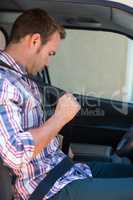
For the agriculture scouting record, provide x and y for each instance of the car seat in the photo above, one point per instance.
(5, 174)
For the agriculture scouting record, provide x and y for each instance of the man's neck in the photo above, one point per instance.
(17, 53)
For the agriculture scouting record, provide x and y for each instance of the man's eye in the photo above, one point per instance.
(52, 53)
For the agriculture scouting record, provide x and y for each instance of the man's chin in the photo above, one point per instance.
(45, 66)
(34, 73)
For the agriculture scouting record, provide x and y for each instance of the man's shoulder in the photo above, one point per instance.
(6, 74)
(9, 91)
(7, 80)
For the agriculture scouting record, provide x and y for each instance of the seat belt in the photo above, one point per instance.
(39, 81)
(46, 184)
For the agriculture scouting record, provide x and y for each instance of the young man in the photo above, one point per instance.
(29, 144)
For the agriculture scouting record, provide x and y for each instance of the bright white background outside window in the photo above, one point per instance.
(95, 63)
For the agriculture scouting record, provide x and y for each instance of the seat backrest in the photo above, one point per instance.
(2, 39)
(5, 178)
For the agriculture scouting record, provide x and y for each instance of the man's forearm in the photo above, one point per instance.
(44, 134)
(66, 108)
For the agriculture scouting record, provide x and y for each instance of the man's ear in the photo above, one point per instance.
(35, 41)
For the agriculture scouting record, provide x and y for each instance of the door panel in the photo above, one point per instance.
(99, 121)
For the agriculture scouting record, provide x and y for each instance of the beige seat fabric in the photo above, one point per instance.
(2, 41)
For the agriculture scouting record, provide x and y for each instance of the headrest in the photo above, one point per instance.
(2, 40)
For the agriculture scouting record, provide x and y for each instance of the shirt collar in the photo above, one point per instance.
(5, 57)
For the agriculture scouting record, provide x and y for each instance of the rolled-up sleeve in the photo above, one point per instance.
(16, 145)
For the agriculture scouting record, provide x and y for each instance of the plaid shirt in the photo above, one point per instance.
(20, 110)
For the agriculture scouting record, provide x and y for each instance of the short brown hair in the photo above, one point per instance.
(35, 21)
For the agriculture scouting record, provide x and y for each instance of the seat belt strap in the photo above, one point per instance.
(46, 184)
(39, 82)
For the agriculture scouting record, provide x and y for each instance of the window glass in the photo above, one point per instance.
(94, 63)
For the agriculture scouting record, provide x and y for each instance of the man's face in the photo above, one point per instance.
(44, 52)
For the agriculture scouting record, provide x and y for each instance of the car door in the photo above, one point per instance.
(106, 100)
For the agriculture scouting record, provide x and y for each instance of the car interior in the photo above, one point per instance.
(96, 69)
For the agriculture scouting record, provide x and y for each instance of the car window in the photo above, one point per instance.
(94, 63)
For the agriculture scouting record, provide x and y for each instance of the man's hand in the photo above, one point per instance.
(67, 107)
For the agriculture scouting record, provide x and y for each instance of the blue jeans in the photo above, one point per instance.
(109, 182)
